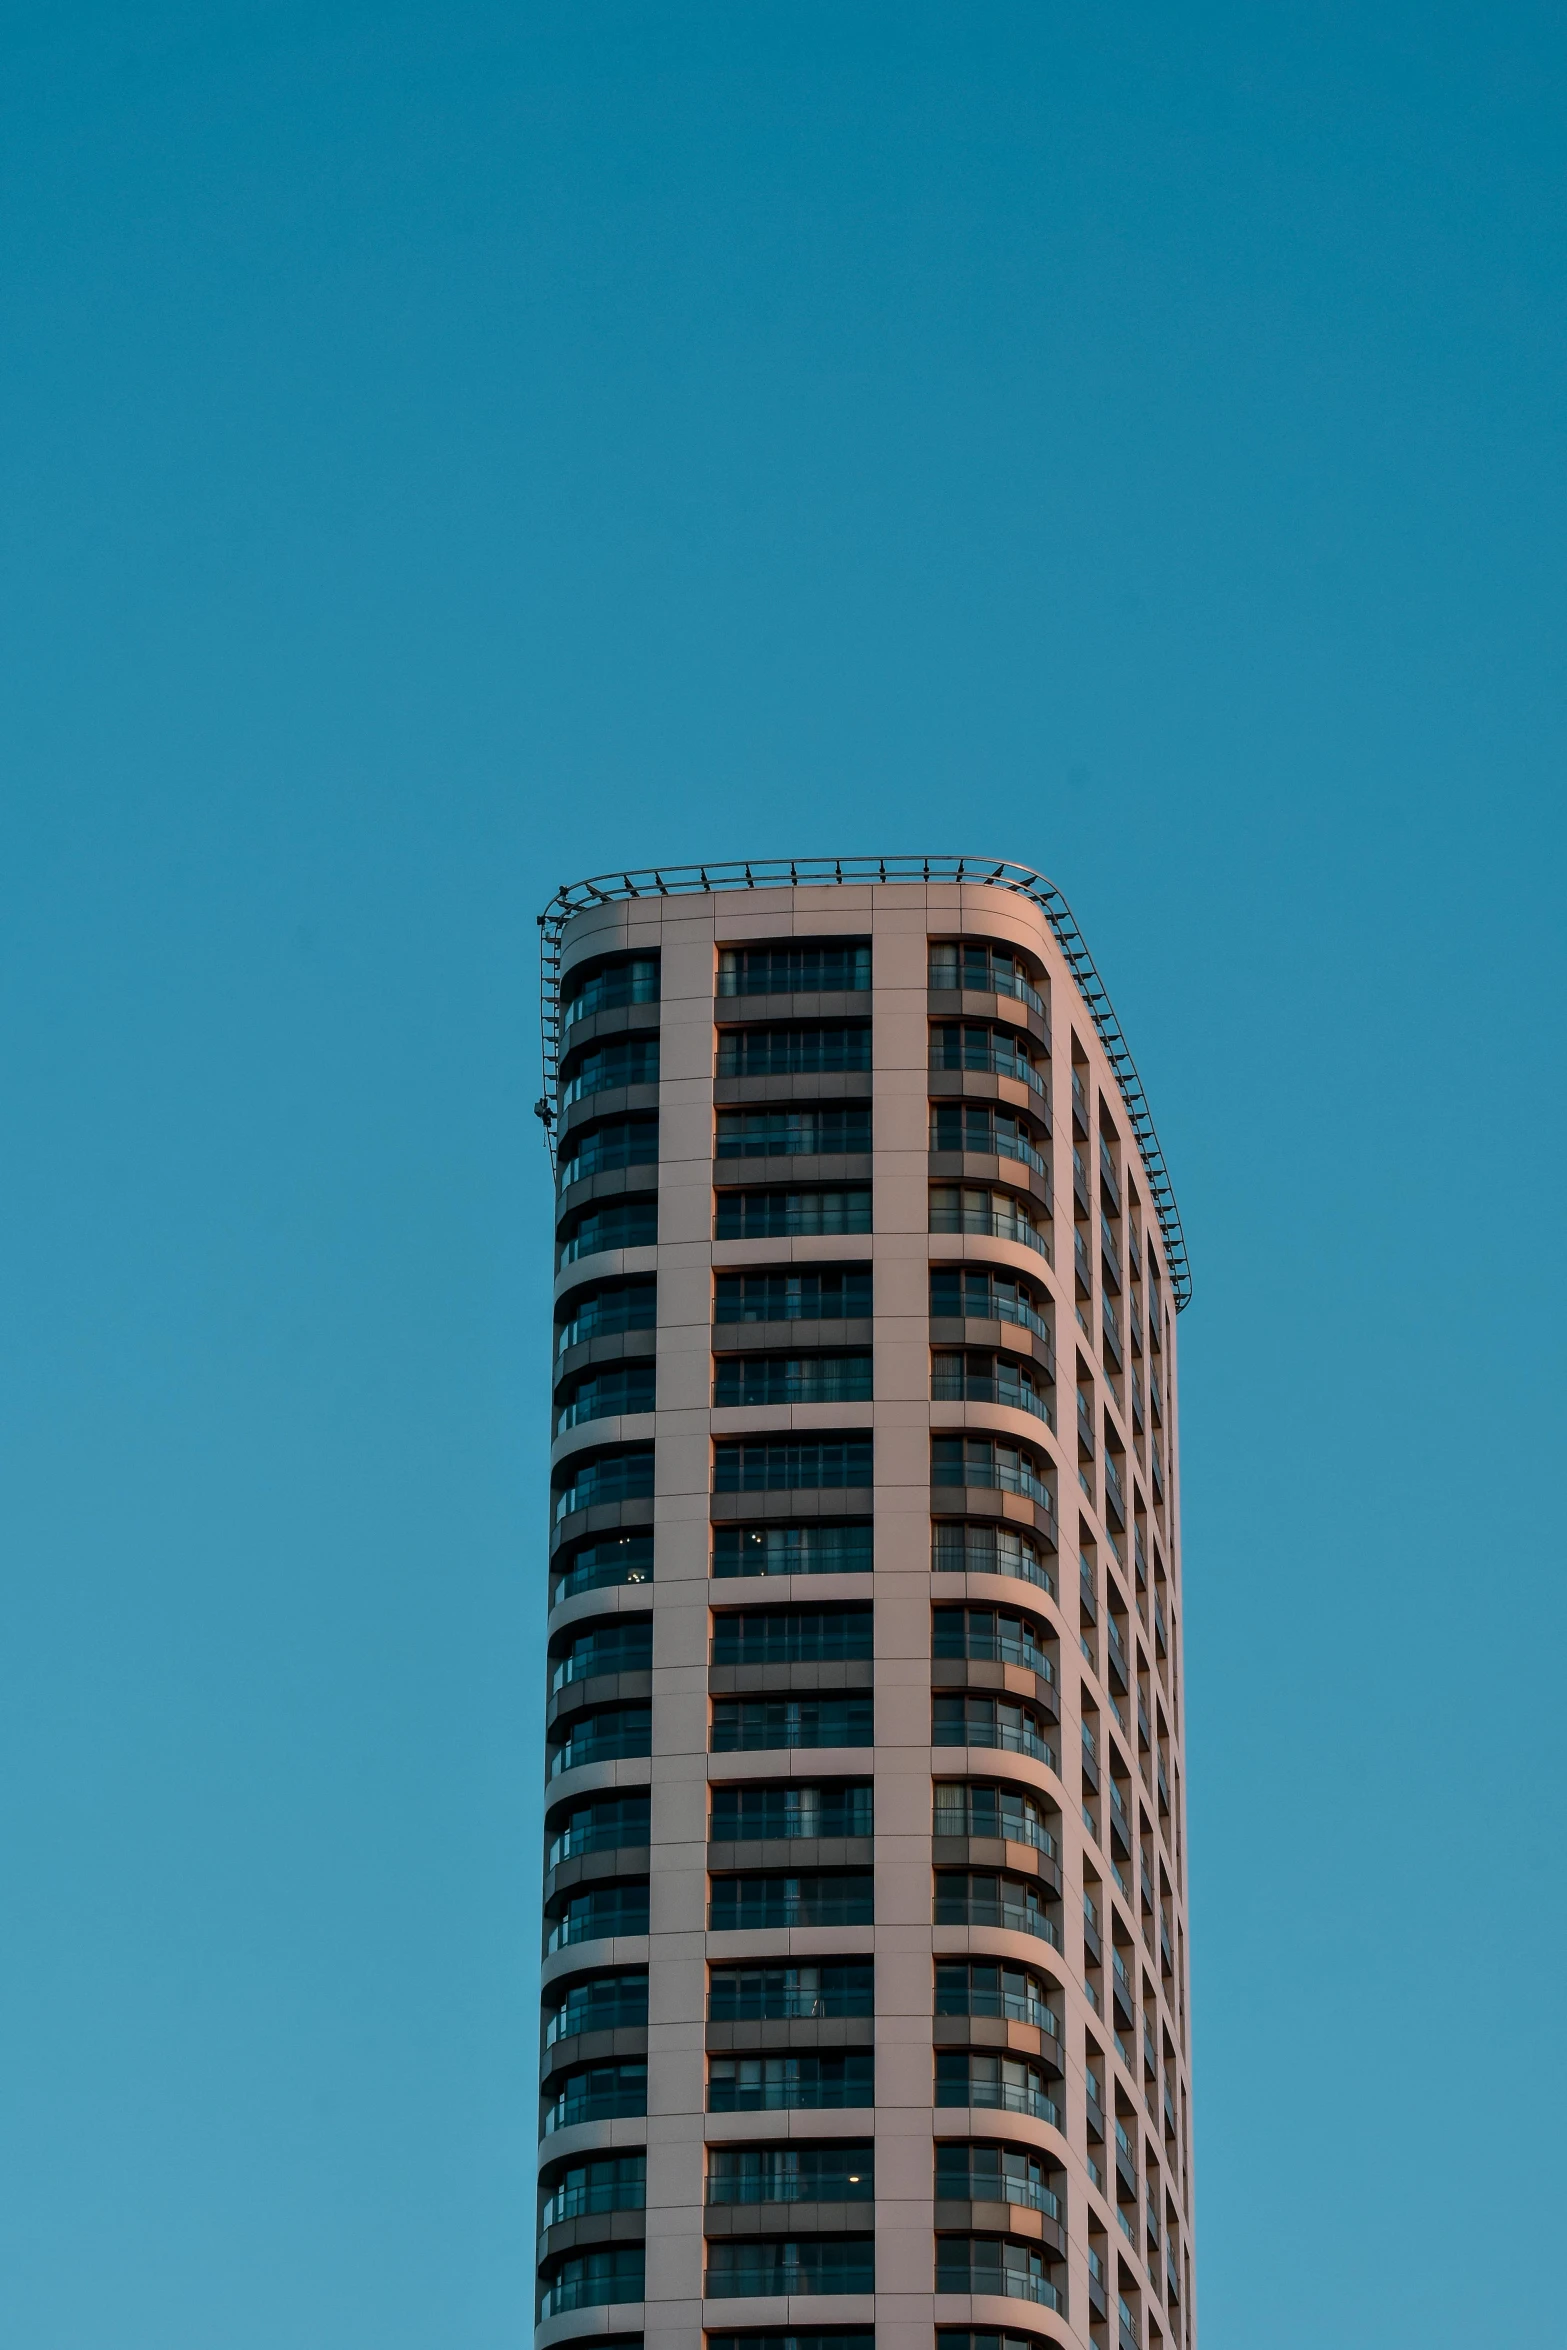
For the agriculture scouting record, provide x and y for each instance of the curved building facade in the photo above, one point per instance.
(865, 2012)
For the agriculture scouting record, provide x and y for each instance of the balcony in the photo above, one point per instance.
(999, 2096)
(609, 991)
(628, 1306)
(1080, 1196)
(1005, 1387)
(594, 2280)
(1008, 1825)
(1107, 1177)
(964, 1550)
(989, 1471)
(988, 1052)
(1111, 1255)
(1085, 1428)
(612, 1835)
(981, 970)
(954, 1637)
(1082, 1261)
(617, 1734)
(623, 2099)
(1125, 2159)
(1006, 1917)
(965, 2265)
(987, 1222)
(1079, 1104)
(573, 2201)
(1010, 2006)
(1005, 1308)
(1017, 1146)
(974, 2185)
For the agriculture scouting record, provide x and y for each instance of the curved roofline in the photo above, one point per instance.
(575, 897)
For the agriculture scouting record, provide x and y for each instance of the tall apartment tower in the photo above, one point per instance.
(865, 2005)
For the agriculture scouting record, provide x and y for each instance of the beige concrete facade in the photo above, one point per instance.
(1096, 2243)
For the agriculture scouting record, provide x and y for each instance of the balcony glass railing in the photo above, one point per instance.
(988, 1223)
(999, 1476)
(970, 1387)
(594, 1659)
(626, 1478)
(1008, 1917)
(980, 973)
(988, 2186)
(1016, 2010)
(1008, 1738)
(631, 983)
(1015, 1827)
(598, 1574)
(1018, 1310)
(991, 1648)
(599, 1836)
(624, 1738)
(578, 2201)
(995, 2277)
(603, 2106)
(634, 1310)
(999, 2097)
(992, 1056)
(992, 1140)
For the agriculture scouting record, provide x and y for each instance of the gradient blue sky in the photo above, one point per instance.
(447, 450)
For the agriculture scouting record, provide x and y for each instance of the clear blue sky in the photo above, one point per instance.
(450, 449)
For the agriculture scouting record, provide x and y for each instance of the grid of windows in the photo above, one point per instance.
(1057, 1987)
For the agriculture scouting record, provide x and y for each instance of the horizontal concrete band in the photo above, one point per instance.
(640, 1019)
(781, 1506)
(826, 1085)
(792, 1171)
(795, 1338)
(605, 1517)
(615, 1101)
